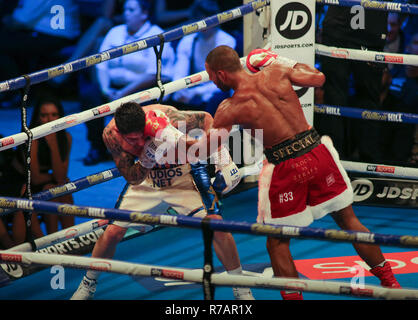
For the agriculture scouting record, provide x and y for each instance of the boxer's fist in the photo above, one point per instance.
(155, 121)
(227, 178)
(227, 173)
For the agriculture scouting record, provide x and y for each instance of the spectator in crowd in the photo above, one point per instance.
(38, 28)
(136, 71)
(168, 14)
(395, 138)
(129, 73)
(395, 41)
(191, 53)
(398, 138)
(97, 17)
(49, 159)
(410, 97)
(339, 31)
(12, 184)
(410, 24)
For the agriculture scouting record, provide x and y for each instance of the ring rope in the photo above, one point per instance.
(147, 95)
(27, 154)
(160, 97)
(103, 176)
(102, 110)
(365, 114)
(135, 46)
(374, 5)
(381, 170)
(217, 225)
(140, 97)
(175, 34)
(366, 55)
(197, 275)
(63, 235)
(158, 53)
(71, 187)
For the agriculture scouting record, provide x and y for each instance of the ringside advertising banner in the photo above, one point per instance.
(293, 36)
(388, 192)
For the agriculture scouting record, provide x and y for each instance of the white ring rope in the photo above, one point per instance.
(18, 254)
(187, 82)
(381, 170)
(196, 275)
(63, 235)
(366, 55)
(104, 109)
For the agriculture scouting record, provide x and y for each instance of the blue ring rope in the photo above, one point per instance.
(374, 5)
(135, 46)
(217, 225)
(365, 114)
(71, 187)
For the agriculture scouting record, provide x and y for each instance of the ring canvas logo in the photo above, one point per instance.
(293, 20)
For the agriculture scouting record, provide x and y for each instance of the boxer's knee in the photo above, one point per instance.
(113, 234)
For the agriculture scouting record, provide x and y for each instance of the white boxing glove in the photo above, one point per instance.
(258, 59)
(227, 175)
(170, 135)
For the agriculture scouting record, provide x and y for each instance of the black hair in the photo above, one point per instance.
(130, 117)
(35, 121)
(145, 5)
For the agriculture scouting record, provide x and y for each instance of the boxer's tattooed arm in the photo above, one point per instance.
(193, 119)
(133, 172)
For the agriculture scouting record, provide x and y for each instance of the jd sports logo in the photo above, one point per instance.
(293, 20)
(362, 189)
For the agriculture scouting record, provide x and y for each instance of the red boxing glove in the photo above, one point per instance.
(261, 58)
(155, 121)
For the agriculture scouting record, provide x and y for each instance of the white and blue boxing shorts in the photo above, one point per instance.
(163, 189)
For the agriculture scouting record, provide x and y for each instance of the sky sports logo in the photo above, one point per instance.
(382, 169)
(388, 58)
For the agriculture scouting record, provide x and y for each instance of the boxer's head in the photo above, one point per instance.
(130, 122)
(220, 63)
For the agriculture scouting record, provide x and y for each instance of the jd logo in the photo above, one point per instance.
(293, 20)
(362, 189)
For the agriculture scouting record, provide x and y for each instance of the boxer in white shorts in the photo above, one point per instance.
(163, 189)
(132, 138)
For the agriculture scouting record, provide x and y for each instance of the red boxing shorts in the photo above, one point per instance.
(299, 190)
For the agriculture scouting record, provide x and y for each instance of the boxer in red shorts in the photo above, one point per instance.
(303, 178)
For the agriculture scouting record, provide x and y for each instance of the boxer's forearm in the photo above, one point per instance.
(190, 119)
(132, 171)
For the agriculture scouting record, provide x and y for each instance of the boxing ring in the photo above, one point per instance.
(27, 275)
